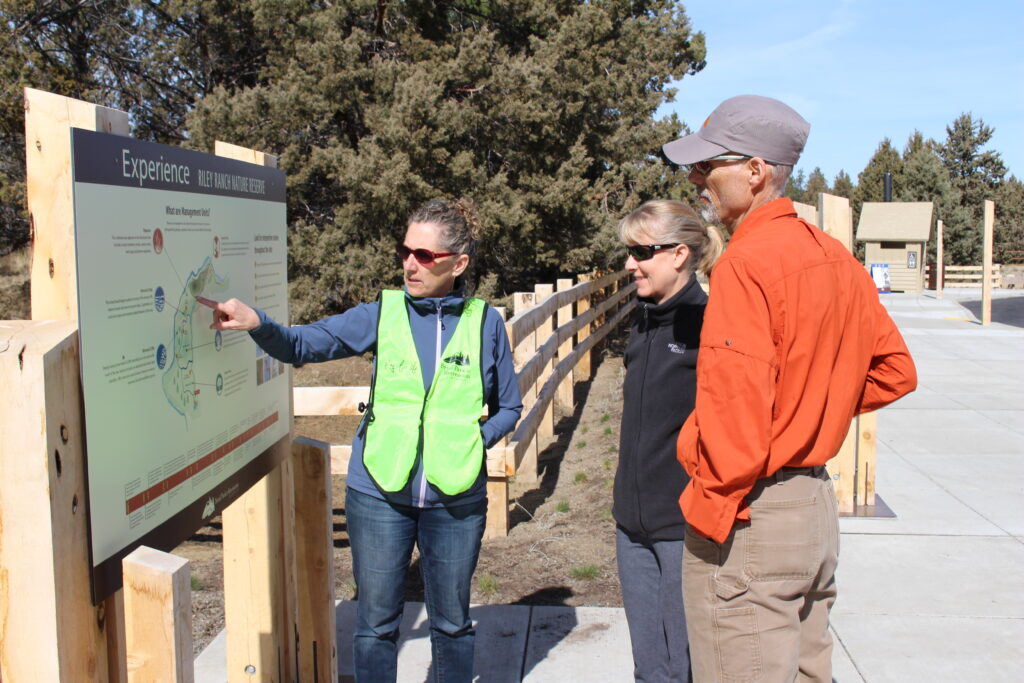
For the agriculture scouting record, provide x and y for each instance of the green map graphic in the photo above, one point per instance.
(179, 382)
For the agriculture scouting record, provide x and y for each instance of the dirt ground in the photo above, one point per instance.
(561, 547)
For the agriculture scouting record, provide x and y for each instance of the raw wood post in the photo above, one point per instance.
(112, 619)
(582, 369)
(564, 395)
(843, 470)
(48, 122)
(316, 648)
(524, 351)
(986, 270)
(54, 295)
(497, 508)
(50, 629)
(836, 218)
(546, 428)
(259, 552)
(597, 297)
(938, 259)
(867, 456)
(848, 472)
(158, 617)
(496, 525)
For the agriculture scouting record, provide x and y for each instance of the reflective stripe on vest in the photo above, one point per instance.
(445, 420)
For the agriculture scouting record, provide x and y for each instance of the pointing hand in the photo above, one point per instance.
(231, 314)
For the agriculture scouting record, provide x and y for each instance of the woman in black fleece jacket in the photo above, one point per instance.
(667, 243)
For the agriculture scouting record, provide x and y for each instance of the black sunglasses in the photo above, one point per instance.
(423, 256)
(642, 252)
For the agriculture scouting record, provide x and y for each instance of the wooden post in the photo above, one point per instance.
(48, 122)
(316, 648)
(938, 259)
(524, 351)
(986, 266)
(257, 611)
(546, 428)
(867, 457)
(836, 218)
(259, 552)
(843, 470)
(112, 620)
(49, 628)
(54, 295)
(497, 508)
(158, 617)
(497, 490)
(582, 369)
(564, 395)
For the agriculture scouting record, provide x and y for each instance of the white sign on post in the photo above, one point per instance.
(179, 418)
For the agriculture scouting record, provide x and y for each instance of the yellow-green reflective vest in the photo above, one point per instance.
(445, 421)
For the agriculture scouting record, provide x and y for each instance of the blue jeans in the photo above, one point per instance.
(651, 574)
(382, 537)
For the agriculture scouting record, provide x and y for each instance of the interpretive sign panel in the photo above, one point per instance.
(179, 418)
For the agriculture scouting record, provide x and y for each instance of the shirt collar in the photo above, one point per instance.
(777, 208)
(451, 302)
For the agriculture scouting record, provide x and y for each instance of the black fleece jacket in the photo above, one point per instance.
(658, 395)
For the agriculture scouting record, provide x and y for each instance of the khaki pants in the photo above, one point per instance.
(757, 605)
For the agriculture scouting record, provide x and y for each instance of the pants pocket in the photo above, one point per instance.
(784, 540)
(737, 644)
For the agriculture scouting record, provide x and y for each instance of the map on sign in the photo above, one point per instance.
(176, 414)
(180, 383)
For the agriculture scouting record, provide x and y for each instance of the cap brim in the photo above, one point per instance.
(691, 149)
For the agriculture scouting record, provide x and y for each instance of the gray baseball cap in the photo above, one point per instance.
(751, 125)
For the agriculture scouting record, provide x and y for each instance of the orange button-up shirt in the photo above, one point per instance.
(795, 343)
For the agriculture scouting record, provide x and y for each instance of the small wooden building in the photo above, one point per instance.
(895, 234)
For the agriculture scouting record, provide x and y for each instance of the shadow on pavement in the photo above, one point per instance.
(1005, 310)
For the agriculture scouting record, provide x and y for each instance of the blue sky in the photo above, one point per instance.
(863, 70)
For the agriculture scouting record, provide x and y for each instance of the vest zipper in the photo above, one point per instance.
(437, 368)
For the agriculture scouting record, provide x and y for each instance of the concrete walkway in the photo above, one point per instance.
(936, 594)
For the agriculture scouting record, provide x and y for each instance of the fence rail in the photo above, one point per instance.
(965, 276)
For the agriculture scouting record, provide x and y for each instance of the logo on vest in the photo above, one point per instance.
(676, 348)
(456, 365)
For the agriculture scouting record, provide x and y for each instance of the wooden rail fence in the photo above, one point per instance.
(964, 276)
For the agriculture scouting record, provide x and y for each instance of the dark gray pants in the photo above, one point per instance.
(651, 574)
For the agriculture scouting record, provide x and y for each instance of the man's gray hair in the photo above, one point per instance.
(780, 174)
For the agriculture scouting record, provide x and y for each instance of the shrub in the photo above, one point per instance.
(585, 571)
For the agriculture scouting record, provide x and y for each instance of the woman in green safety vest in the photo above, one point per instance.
(417, 474)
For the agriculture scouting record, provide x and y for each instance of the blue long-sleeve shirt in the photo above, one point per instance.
(433, 322)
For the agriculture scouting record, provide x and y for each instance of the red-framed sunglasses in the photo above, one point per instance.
(422, 256)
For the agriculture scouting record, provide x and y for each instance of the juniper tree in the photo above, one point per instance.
(150, 58)
(842, 185)
(975, 174)
(543, 112)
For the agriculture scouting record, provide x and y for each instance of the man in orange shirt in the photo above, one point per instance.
(795, 343)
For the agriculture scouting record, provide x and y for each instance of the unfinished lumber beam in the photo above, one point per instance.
(158, 617)
(51, 630)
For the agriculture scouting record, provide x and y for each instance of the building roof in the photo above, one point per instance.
(895, 222)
